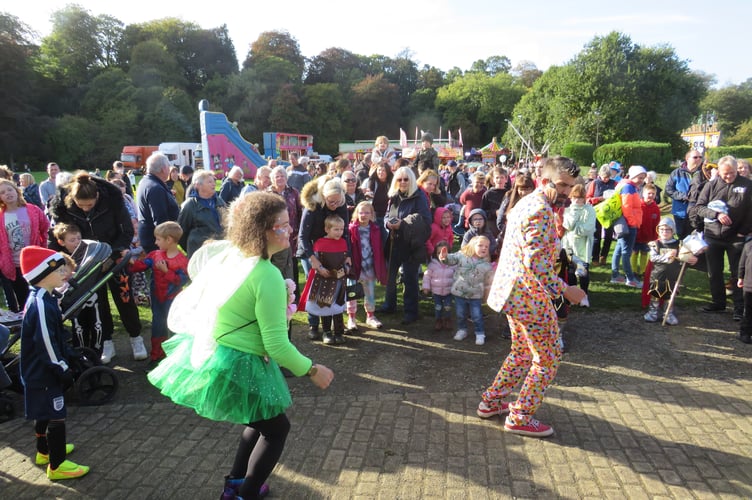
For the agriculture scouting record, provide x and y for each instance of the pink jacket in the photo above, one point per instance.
(438, 278)
(39, 227)
(439, 233)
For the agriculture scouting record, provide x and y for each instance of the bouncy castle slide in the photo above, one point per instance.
(223, 146)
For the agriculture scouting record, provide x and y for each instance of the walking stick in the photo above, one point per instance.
(674, 292)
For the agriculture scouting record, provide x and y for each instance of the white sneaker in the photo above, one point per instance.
(480, 339)
(351, 325)
(460, 335)
(139, 350)
(585, 302)
(108, 351)
(373, 322)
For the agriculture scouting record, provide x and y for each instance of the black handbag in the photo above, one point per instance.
(354, 290)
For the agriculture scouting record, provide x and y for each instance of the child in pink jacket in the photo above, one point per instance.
(438, 280)
(441, 229)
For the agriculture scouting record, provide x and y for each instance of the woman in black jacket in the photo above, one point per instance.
(407, 219)
(98, 209)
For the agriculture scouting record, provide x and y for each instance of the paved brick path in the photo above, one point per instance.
(658, 440)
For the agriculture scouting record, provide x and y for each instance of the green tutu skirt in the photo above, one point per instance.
(231, 386)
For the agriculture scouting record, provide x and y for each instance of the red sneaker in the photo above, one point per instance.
(534, 428)
(486, 410)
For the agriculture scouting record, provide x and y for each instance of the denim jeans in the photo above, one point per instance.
(476, 315)
(623, 252)
(442, 305)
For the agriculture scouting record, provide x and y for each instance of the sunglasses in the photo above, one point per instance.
(403, 180)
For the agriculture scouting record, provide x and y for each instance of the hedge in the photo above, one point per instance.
(715, 154)
(580, 152)
(651, 155)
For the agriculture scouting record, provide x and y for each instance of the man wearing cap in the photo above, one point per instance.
(631, 209)
(156, 204)
(677, 188)
(457, 182)
(725, 204)
(297, 175)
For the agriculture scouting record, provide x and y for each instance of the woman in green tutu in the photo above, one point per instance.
(231, 338)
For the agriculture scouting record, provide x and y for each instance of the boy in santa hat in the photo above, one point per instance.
(45, 372)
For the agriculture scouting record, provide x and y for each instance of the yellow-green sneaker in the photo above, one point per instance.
(67, 470)
(42, 459)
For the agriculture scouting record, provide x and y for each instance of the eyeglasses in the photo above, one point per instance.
(403, 180)
(349, 181)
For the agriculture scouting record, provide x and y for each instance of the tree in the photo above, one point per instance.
(615, 89)
(732, 106)
(279, 44)
(526, 73)
(373, 106)
(334, 65)
(478, 103)
(327, 115)
(73, 52)
(19, 114)
(492, 66)
(200, 54)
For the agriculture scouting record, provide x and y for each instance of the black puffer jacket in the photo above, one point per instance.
(107, 222)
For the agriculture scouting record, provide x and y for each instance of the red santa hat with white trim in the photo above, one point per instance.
(38, 262)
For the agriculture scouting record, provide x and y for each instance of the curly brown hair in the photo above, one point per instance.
(250, 217)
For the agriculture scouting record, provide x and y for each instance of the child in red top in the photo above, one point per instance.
(169, 273)
(472, 198)
(651, 215)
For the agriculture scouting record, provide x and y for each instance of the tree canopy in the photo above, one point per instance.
(95, 84)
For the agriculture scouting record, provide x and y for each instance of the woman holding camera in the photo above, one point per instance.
(408, 220)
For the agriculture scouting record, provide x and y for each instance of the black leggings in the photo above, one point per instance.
(260, 447)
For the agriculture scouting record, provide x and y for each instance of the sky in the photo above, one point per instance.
(712, 36)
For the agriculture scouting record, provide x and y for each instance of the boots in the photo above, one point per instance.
(438, 325)
(653, 309)
(157, 353)
(671, 319)
(448, 323)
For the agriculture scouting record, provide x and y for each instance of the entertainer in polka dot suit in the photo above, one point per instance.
(523, 287)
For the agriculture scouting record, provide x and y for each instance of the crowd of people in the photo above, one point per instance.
(521, 238)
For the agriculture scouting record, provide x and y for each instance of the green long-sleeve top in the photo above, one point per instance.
(254, 319)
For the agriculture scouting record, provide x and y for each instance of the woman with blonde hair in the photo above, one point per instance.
(24, 224)
(408, 220)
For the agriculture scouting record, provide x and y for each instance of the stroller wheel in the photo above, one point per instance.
(91, 356)
(96, 386)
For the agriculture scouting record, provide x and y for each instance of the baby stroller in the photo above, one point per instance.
(94, 384)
